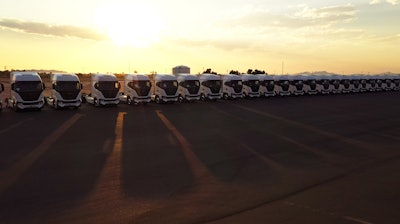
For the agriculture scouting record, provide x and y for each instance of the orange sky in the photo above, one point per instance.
(154, 35)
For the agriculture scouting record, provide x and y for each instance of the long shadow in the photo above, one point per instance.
(153, 165)
(66, 173)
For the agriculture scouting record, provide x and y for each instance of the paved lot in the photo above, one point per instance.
(322, 159)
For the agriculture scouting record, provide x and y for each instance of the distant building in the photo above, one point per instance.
(180, 69)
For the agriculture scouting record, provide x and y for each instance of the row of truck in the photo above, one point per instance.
(27, 88)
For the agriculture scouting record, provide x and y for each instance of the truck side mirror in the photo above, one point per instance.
(96, 85)
(13, 86)
(81, 86)
(1, 87)
(119, 85)
(54, 85)
(44, 86)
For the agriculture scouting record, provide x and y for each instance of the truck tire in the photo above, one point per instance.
(157, 99)
(180, 98)
(96, 102)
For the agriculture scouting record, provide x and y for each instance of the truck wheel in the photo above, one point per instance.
(96, 102)
(180, 99)
(129, 100)
(203, 97)
(158, 99)
(55, 104)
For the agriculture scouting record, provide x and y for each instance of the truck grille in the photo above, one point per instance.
(70, 95)
(30, 96)
(193, 89)
(110, 93)
(171, 90)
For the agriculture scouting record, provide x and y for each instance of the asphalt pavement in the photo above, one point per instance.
(317, 159)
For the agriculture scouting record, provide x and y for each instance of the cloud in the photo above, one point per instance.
(51, 30)
(392, 2)
(305, 17)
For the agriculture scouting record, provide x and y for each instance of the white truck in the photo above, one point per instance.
(188, 87)
(296, 85)
(1, 90)
(137, 89)
(26, 91)
(210, 87)
(282, 85)
(310, 84)
(323, 84)
(251, 86)
(232, 87)
(267, 85)
(335, 84)
(104, 90)
(65, 91)
(396, 82)
(164, 88)
(345, 84)
(355, 83)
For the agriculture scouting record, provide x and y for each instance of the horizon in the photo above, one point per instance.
(121, 36)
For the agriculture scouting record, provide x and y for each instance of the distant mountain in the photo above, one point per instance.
(316, 73)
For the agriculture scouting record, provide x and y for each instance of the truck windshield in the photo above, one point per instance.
(167, 84)
(214, 85)
(108, 85)
(234, 83)
(139, 84)
(190, 83)
(27, 86)
(67, 86)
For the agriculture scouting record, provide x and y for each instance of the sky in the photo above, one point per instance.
(126, 36)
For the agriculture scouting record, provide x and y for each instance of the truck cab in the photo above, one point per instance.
(355, 83)
(335, 84)
(164, 88)
(232, 87)
(104, 90)
(396, 83)
(251, 86)
(137, 89)
(296, 85)
(323, 84)
(26, 91)
(310, 84)
(345, 84)
(1, 90)
(65, 91)
(210, 87)
(267, 85)
(282, 85)
(188, 87)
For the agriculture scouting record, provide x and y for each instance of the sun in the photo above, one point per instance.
(129, 24)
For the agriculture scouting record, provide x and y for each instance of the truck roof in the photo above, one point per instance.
(136, 77)
(64, 77)
(183, 76)
(24, 76)
(208, 76)
(104, 77)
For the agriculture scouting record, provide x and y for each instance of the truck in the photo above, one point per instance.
(323, 84)
(282, 85)
(210, 87)
(267, 85)
(104, 90)
(1, 90)
(188, 87)
(296, 85)
(164, 88)
(355, 83)
(310, 84)
(137, 89)
(65, 91)
(335, 84)
(232, 87)
(26, 91)
(251, 86)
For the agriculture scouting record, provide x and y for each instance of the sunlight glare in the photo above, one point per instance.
(129, 23)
